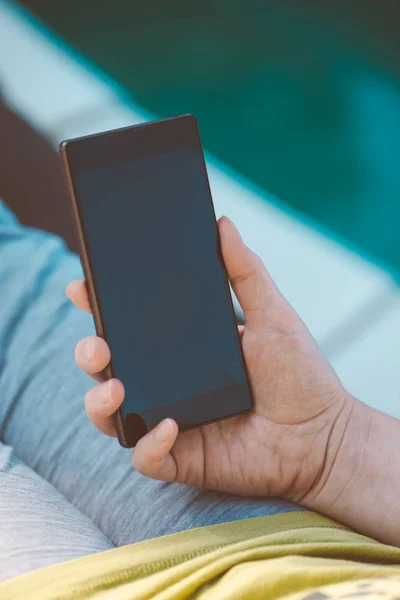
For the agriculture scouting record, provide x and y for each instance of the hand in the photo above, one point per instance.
(285, 445)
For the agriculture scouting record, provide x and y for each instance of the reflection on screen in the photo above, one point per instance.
(162, 289)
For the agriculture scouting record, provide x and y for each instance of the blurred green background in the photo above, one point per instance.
(303, 98)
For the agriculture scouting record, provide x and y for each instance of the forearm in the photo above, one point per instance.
(360, 485)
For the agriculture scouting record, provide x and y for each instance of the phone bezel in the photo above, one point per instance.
(123, 145)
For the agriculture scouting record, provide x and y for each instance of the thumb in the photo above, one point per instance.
(152, 457)
(251, 282)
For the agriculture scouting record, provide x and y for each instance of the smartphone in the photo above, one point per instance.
(156, 280)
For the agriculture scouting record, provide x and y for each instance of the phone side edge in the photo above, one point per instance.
(84, 255)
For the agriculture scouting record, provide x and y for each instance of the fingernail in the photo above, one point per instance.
(227, 219)
(103, 396)
(232, 224)
(71, 284)
(110, 388)
(163, 431)
(88, 350)
(68, 289)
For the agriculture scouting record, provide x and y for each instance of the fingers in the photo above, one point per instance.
(251, 282)
(101, 402)
(77, 292)
(92, 355)
(152, 457)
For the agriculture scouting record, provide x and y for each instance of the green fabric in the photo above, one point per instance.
(266, 557)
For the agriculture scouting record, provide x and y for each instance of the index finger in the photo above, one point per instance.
(77, 292)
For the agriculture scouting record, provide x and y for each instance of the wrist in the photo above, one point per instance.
(344, 452)
(360, 481)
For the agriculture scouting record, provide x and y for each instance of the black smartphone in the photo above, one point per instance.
(156, 279)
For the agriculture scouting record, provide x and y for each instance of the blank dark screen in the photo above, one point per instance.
(162, 289)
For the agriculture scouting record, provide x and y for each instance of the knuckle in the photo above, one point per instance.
(258, 263)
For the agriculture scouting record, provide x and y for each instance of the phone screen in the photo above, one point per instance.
(161, 286)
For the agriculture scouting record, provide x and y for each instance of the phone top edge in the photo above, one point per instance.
(63, 145)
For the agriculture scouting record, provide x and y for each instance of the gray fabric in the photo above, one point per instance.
(42, 418)
(38, 526)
